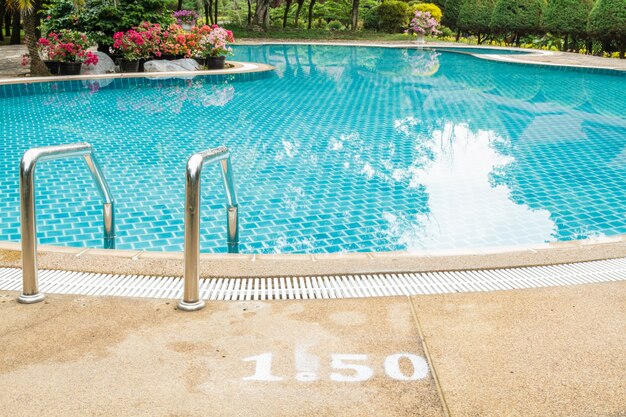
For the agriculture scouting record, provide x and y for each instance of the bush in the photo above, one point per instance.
(568, 16)
(370, 19)
(101, 18)
(450, 10)
(392, 16)
(62, 14)
(608, 20)
(475, 15)
(518, 16)
(335, 25)
(433, 9)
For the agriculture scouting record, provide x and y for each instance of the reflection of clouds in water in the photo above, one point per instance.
(465, 209)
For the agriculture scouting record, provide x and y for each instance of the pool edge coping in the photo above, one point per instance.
(139, 262)
(239, 68)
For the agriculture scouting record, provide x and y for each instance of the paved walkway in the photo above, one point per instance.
(11, 61)
(550, 352)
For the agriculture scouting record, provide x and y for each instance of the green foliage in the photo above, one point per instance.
(518, 16)
(370, 18)
(475, 15)
(61, 14)
(100, 19)
(335, 25)
(608, 19)
(392, 16)
(568, 16)
(431, 8)
(450, 10)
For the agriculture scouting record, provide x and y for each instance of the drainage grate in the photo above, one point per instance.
(317, 287)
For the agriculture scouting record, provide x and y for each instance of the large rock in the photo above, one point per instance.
(105, 65)
(186, 64)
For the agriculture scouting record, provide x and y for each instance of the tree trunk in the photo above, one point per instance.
(2, 12)
(7, 22)
(261, 14)
(179, 6)
(355, 14)
(249, 12)
(565, 43)
(518, 40)
(310, 22)
(15, 30)
(622, 47)
(216, 1)
(37, 67)
(458, 34)
(298, 9)
(205, 4)
(287, 6)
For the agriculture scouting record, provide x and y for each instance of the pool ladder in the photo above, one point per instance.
(191, 300)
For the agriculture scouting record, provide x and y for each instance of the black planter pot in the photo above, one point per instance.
(69, 68)
(53, 67)
(200, 60)
(129, 66)
(215, 62)
(142, 61)
(168, 57)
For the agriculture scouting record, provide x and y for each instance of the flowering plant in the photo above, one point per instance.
(215, 43)
(67, 46)
(131, 44)
(423, 24)
(186, 17)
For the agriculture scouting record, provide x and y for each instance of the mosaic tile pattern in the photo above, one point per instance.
(343, 149)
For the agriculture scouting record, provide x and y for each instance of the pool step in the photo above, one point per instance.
(322, 287)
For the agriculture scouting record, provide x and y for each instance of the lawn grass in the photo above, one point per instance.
(243, 33)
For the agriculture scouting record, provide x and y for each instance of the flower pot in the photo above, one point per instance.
(69, 68)
(200, 60)
(420, 40)
(129, 66)
(53, 67)
(142, 61)
(215, 62)
(186, 27)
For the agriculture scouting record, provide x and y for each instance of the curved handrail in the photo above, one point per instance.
(191, 299)
(30, 286)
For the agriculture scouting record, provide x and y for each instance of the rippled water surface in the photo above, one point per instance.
(343, 149)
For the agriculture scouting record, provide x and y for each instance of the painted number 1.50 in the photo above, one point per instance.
(346, 368)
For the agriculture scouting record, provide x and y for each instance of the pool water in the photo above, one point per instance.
(344, 149)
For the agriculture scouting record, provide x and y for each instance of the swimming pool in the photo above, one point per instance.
(344, 149)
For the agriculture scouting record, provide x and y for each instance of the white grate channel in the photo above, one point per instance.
(320, 287)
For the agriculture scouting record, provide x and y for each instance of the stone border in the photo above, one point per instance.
(133, 262)
(238, 68)
(261, 265)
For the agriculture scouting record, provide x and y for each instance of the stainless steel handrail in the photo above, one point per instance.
(30, 285)
(191, 298)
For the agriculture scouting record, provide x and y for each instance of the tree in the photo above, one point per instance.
(298, 9)
(28, 11)
(475, 17)
(450, 10)
(567, 17)
(520, 17)
(392, 16)
(607, 20)
(287, 6)
(355, 14)
(311, 5)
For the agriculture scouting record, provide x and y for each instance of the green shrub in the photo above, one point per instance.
(370, 19)
(431, 8)
(63, 15)
(568, 16)
(607, 20)
(450, 9)
(518, 16)
(475, 15)
(102, 18)
(392, 16)
(335, 25)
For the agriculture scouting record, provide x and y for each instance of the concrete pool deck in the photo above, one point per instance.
(541, 352)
